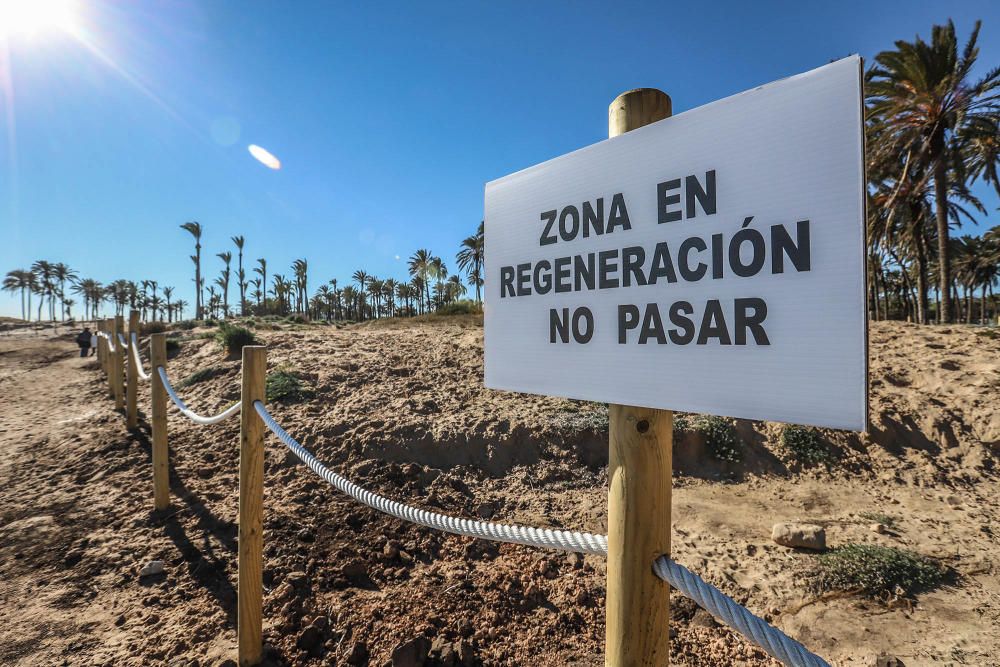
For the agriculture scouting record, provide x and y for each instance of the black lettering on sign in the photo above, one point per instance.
(753, 323)
(678, 312)
(652, 326)
(713, 324)
(568, 233)
(583, 325)
(560, 322)
(628, 318)
(593, 220)
(704, 196)
(548, 238)
(782, 244)
(506, 281)
(559, 325)
(664, 201)
(619, 214)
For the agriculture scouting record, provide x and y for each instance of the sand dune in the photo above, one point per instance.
(401, 407)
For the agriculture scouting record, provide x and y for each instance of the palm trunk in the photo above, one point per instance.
(922, 305)
(941, 213)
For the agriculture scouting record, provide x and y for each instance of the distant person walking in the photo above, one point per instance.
(93, 344)
(84, 340)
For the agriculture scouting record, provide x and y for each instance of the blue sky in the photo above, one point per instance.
(388, 117)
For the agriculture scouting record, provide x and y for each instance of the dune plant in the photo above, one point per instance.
(233, 339)
(805, 445)
(720, 436)
(877, 571)
(286, 386)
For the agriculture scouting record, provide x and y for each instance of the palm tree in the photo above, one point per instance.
(179, 307)
(167, 293)
(454, 289)
(280, 288)
(223, 280)
(361, 278)
(438, 271)
(44, 286)
(241, 277)
(68, 306)
(420, 267)
(62, 273)
(470, 258)
(300, 269)
(922, 95)
(261, 270)
(20, 280)
(350, 295)
(195, 229)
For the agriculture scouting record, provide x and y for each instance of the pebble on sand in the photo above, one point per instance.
(152, 568)
(800, 535)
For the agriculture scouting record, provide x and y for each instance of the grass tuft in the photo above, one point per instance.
(720, 436)
(878, 517)
(286, 386)
(201, 376)
(233, 339)
(805, 445)
(877, 571)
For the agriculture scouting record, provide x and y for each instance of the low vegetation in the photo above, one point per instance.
(805, 445)
(286, 386)
(720, 436)
(881, 572)
(233, 339)
(201, 376)
(878, 517)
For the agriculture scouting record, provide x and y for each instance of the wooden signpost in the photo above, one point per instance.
(676, 266)
(118, 362)
(158, 396)
(640, 465)
(131, 389)
(249, 617)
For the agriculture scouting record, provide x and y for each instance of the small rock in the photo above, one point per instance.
(358, 655)
(305, 535)
(886, 660)
(354, 570)
(877, 528)
(120, 621)
(703, 619)
(152, 568)
(486, 510)
(391, 549)
(296, 578)
(309, 638)
(411, 653)
(800, 535)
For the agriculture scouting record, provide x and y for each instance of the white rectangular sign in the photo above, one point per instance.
(712, 262)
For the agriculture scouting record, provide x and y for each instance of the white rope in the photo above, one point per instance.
(138, 361)
(190, 414)
(122, 341)
(111, 342)
(773, 641)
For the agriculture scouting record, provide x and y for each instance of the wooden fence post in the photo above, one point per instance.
(99, 328)
(161, 460)
(251, 543)
(108, 327)
(118, 363)
(132, 388)
(640, 464)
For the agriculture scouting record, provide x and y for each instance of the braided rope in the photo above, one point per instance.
(138, 361)
(770, 639)
(190, 414)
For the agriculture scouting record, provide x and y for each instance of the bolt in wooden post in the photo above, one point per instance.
(251, 543)
(132, 388)
(118, 363)
(640, 464)
(161, 455)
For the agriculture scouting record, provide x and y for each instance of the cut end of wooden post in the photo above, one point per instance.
(635, 108)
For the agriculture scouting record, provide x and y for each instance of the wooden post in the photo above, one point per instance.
(640, 464)
(132, 388)
(161, 460)
(251, 543)
(99, 327)
(108, 328)
(118, 363)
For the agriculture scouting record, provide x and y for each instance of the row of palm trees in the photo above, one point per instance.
(932, 132)
(428, 288)
(53, 282)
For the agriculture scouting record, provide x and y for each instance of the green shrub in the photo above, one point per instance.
(464, 307)
(185, 325)
(233, 339)
(720, 436)
(805, 445)
(286, 386)
(147, 328)
(208, 323)
(882, 572)
(201, 376)
(173, 346)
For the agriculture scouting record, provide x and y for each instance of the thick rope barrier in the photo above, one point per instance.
(190, 414)
(143, 375)
(770, 639)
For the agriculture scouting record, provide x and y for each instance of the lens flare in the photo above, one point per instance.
(264, 157)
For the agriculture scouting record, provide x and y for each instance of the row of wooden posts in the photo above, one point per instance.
(122, 372)
(640, 465)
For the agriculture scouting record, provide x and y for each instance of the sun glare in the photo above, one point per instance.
(30, 17)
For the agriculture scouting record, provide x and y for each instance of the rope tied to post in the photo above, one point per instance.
(138, 361)
(767, 637)
(191, 414)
